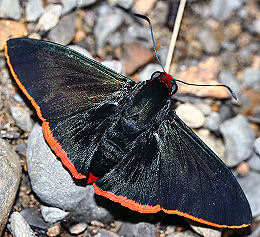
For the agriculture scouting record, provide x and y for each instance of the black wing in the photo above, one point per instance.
(176, 172)
(59, 80)
(63, 85)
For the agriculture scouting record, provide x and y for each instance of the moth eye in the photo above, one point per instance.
(174, 88)
(156, 74)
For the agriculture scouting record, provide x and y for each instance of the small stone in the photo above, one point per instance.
(127, 4)
(257, 145)
(33, 10)
(81, 50)
(85, 3)
(34, 218)
(108, 22)
(208, 40)
(68, 6)
(251, 78)
(239, 138)
(254, 162)
(243, 168)
(115, 65)
(191, 115)
(17, 97)
(186, 233)
(136, 56)
(251, 186)
(53, 214)
(227, 78)
(54, 230)
(22, 117)
(143, 6)
(64, 31)
(78, 228)
(106, 233)
(213, 122)
(222, 9)
(49, 18)
(19, 226)
(10, 9)
(147, 72)
(225, 111)
(9, 179)
(255, 233)
(255, 27)
(205, 231)
(138, 230)
(11, 29)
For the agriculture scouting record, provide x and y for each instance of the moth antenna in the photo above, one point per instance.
(151, 29)
(191, 84)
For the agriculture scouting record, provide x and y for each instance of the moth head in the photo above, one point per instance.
(166, 80)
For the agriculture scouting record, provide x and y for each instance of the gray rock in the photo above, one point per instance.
(81, 50)
(255, 233)
(10, 9)
(147, 72)
(254, 162)
(209, 41)
(251, 78)
(9, 180)
(227, 78)
(205, 231)
(85, 3)
(239, 138)
(127, 4)
(53, 214)
(19, 226)
(68, 6)
(213, 122)
(64, 31)
(186, 233)
(34, 218)
(256, 26)
(251, 187)
(33, 10)
(225, 111)
(222, 9)
(106, 233)
(138, 230)
(49, 18)
(54, 185)
(257, 145)
(78, 228)
(108, 22)
(18, 98)
(116, 65)
(116, 40)
(21, 115)
(185, 110)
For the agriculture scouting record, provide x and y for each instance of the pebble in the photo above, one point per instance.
(68, 6)
(33, 10)
(222, 9)
(11, 29)
(60, 190)
(81, 50)
(239, 138)
(115, 65)
(213, 121)
(106, 233)
(127, 4)
(227, 78)
(54, 230)
(255, 26)
(138, 230)
(22, 118)
(10, 9)
(208, 40)
(135, 56)
(85, 3)
(107, 23)
(78, 228)
(255, 233)
(143, 6)
(251, 187)
(191, 115)
(18, 98)
(9, 179)
(63, 32)
(147, 72)
(205, 231)
(186, 233)
(257, 145)
(225, 111)
(49, 18)
(34, 218)
(251, 78)
(53, 214)
(19, 226)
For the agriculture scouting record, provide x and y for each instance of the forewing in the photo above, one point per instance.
(174, 171)
(59, 81)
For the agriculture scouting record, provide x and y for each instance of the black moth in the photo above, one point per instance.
(122, 136)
